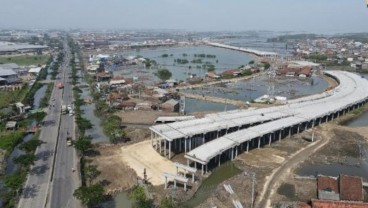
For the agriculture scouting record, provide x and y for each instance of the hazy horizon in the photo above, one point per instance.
(328, 16)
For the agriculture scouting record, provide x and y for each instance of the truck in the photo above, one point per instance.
(69, 141)
(60, 85)
(63, 109)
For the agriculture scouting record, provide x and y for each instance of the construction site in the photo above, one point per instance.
(244, 146)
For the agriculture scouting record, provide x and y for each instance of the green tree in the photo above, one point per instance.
(90, 195)
(31, 145)
(25, 160)
(83, 144)
(164, 74)
(91, 172)
(166, 203)
(140, 198)
(266, 65)
(14, 181)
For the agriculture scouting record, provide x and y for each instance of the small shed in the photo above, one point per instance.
(20, 107)
(170, 106)
(11, 125)
(127, 105)
(328, 188)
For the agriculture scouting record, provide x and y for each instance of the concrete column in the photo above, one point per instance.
(152, 138)
(232, 153)
(157, 141)
(165, 182)
(306, 126)
(195, 164)
(169, 150)
(298, 128)
(259, 142)
(280, 134)
(219, 161)
(193, 177)
(236, 152)
(190, 144)
(203, 139)
(269, 140)
(247, 146)
(313, 123)
(165, 147)
(218, 134)
(185, 186)
(185, 145)
(160, 144)
(174, 183)
(180, 143)
(290, 131)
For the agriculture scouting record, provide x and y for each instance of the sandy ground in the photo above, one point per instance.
(114, 173)
(120, 165)
(142, 155)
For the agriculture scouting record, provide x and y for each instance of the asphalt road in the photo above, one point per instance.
(64, 180)
(52, 184)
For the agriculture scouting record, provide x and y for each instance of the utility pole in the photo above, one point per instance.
(253, 175)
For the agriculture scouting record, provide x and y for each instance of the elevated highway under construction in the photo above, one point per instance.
(216, 137)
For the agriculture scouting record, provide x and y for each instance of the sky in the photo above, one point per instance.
(318, 16)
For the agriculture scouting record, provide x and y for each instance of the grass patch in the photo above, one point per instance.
(25, 60)
(287, 190)
(10, 97)
(38, 117)
(28, 99)
(9, 140)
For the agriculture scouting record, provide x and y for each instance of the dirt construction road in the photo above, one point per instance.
(278, 174)
(142, 155)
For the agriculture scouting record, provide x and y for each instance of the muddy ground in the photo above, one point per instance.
(343, 148)
(345, 145)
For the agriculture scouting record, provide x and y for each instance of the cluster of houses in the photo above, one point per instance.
(300, 69)
(337, 192)
(118, 40)
(12, 75)
(336, 51)
(128, 93)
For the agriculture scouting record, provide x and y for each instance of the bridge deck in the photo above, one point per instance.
(352, 91)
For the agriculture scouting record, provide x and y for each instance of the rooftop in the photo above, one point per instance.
(351, 188)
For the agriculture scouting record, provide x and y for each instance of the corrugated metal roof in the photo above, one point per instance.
(351, 188)
(7, 72)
